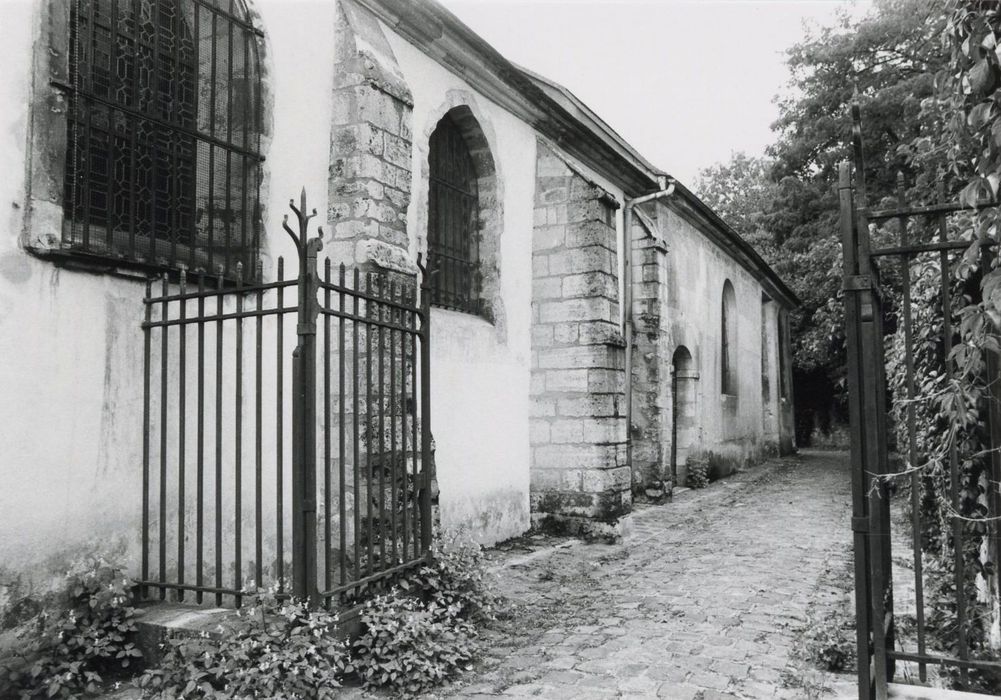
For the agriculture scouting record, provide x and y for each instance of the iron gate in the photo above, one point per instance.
(286, 437)
(882, 249)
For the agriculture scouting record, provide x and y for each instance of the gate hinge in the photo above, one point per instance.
(860, 524)
(857, 283)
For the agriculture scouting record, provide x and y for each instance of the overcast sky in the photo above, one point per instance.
(687, 82)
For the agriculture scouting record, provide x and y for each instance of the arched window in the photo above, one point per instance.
(453, 220)
(163, 148)
(728, 341)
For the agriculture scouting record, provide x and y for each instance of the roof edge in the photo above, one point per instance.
(434, 30)
(743, 251)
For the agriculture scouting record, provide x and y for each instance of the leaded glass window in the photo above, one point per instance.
(163, 150)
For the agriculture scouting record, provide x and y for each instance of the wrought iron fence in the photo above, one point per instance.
(286, 436)
(883, 251)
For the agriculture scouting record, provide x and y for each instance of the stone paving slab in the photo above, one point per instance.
(707, 599)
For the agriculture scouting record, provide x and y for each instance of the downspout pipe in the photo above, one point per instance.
(667, 189)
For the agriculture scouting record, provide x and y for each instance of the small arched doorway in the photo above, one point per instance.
(683, 378)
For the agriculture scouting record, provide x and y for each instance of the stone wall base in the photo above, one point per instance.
(588, 529)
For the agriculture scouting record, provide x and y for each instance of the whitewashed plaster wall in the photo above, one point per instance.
(71, 375)
(731, 428)
(480, 371)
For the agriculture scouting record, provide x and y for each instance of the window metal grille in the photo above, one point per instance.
(163, 150)
(453, 221)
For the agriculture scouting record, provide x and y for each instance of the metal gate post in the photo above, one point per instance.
(875, 462)
(868, 406)
(427, 465)
(304, 584)
(860, 510)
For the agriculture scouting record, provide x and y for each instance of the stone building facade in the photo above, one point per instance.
(530, 387)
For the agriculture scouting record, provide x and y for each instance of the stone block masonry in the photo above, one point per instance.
(578, 430)
(651, 376)
(370, 150)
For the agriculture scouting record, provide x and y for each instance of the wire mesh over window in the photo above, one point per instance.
(453, 221)
(163, 151)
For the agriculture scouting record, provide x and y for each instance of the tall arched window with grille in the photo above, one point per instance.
(728, 341)
(163, 149)
(453, 220)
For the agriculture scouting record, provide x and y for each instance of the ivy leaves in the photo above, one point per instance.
(82, 635)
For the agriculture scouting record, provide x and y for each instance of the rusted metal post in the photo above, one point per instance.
(860, 513)
(871, 429)
(427, 465)
(304, 584)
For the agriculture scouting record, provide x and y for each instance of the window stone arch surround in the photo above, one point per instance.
(480, 137)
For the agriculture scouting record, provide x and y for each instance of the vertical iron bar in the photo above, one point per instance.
(172, 164)
(229, 154)
(299, 583)
(994, 494)
(342, 500)
(355, 432)
(368, 420)
(112, 223)
(212, 119)
(228, 223)
(238, 441)
(280, 429)
(311, 307)
(392, 423)
(155, 131)
(405, 359)
(134, 126)
(196, 78)
(218, 440)
(905, 276)
(416, 448)
(147, 331)
(182, 353)
(954, 475)
(258, 420)
(164, 309)
(427, 467)
(89, 121)
(326, 428)
(200, 500)
(244, 160)
(381, 310)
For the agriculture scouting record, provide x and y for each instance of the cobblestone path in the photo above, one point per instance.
(706, 600)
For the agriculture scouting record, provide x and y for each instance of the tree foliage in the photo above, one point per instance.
(786, 204)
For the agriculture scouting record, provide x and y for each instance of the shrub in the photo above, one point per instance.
(81, 635)
(423, 630)
(698, 473)
(413, 637)
(454, 576)
(408, 645)
(830, 641)
(276, 648)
